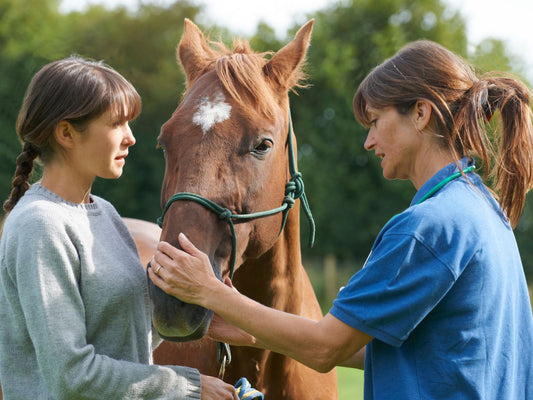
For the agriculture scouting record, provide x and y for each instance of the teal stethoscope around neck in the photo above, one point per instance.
(439, 185)
(432, 191)
(442, 183)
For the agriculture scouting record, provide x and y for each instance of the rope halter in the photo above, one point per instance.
(294, 189)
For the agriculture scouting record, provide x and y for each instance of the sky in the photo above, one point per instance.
(511, 20)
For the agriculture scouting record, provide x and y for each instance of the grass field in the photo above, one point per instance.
(350, 383)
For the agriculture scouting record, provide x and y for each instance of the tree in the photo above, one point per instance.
(21, 54)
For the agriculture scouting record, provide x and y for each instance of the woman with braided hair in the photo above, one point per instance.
(74, 309)
(440, 309)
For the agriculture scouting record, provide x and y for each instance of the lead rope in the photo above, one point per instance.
(295, 189)
(223, 358)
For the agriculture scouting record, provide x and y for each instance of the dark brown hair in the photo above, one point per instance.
(75, 90)
(462, 105)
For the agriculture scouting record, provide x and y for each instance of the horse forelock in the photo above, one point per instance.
(241, 72)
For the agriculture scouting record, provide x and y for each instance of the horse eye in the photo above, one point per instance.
(263, 147)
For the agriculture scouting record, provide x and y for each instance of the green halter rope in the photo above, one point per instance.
(294, 189)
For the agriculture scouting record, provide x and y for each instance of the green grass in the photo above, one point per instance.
(350, 383)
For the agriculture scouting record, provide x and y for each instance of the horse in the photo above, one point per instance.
(231, 186)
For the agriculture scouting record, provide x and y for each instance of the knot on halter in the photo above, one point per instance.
(294, 189)
(289, 201)
(225, 214)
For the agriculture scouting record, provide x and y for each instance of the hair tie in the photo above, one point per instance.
(489, 103)
(32, 150)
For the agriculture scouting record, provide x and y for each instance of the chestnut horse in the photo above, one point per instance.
(229, 152)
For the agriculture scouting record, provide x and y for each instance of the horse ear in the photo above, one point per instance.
(284, 68)
(193, 53)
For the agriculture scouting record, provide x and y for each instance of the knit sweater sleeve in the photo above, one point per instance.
(44, 267)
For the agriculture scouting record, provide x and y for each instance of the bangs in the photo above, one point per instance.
(383, 87)
(103, 90)
(369, 95)
(123, 101)
(360, 110)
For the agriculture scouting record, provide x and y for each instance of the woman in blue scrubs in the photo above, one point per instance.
(441, 308)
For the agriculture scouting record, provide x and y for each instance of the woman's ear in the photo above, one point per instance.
(64, 134)
(421, 114)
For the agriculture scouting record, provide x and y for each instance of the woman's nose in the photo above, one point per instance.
(129, 139)
(369, 141)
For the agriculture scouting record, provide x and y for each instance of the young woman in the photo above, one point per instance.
(74, 307)
(441, 306)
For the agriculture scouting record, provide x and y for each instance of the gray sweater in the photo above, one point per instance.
(74, 307)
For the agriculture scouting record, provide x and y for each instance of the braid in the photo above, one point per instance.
(22, 174)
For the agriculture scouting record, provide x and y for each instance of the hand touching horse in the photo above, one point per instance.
(229, 162)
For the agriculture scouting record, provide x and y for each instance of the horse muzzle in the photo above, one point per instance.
(175, 320)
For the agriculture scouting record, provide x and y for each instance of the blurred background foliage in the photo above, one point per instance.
(349, 197)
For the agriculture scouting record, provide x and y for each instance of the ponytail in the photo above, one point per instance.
(506, 153)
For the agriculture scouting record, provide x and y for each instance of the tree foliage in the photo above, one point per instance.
(350, 198)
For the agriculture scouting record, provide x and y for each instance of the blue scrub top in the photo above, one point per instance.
(444, 294)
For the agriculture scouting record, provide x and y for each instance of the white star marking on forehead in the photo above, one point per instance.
(210, 112)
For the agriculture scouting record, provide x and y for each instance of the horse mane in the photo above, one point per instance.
(242, 72)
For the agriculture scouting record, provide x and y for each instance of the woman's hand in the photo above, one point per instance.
(215, 389)
(186, 274)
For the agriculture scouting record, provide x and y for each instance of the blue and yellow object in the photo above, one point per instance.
(246, 391)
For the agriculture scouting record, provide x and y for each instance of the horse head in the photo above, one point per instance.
(227, 154)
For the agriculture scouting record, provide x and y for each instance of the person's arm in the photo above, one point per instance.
(320, 345)
(357, 360)
(222, 331)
